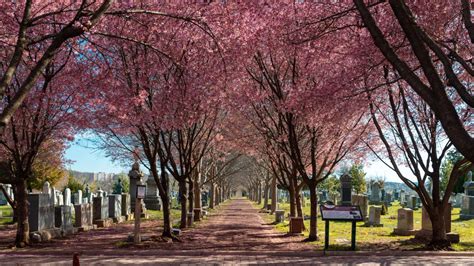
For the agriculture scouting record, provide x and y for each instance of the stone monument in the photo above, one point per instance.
(135, 179)
(427, 227)
(115, 208)
(100, 211)
(41, 212)
(405, 223)
(63, 219)
(67, 196)
(467, 207)
(374, 216)
(83, 214)
(152, 200)
(375, 193)
(363, 202)
(346, 189)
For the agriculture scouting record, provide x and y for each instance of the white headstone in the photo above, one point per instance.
(79, 196)
(67, 197)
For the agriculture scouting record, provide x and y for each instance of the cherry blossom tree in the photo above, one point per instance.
(412, 135)
(436, 60)
(46, 120)
(45, 26)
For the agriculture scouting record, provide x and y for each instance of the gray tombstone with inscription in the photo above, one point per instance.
(41, 212)
(152, 200)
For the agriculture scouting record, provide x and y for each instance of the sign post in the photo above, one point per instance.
(340, 213)
(141, 192)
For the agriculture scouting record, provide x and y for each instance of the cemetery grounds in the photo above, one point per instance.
(378, 238)
(238, 231)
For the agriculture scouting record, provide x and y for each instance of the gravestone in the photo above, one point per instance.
(402, 197)
(363, 202)
(413, 202)
(388, 199)
(467, 208)
(405, 223)
(83, 217)
(90, 198)
(375, 194)
(346, 189)
(59, 198)
(77, 199)
(374, 216)
(126, 211)
(382, 195)
(279, 216)
(190, 219)
(101, 212)
(115, 208)
(152, 200)
(324, 196)
(67, 196)
(396, 195)
(41, 212)
(427, 228)
(457, 200)
(63, 219)
(3, 199)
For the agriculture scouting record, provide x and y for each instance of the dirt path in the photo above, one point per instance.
(236, 226)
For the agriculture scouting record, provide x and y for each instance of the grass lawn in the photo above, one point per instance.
(7, 214)
(158, 215)
(176, 215)
(378, 238)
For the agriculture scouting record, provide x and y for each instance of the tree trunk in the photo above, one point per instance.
(197, 196)
(291, 192)
(438, 238)
(299, 207)
(221, 194)
(265, 195)
(23, 226)
(166, 216)
(191, 196)
(211, 195)
(259, 193)
(274, 195)
(313, 222)
(183, 201)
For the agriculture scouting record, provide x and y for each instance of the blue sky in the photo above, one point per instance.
(88, 159)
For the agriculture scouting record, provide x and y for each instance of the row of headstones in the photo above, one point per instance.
(98, 210)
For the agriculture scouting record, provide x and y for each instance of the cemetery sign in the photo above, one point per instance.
(341, 213)
(141, 191)
(351, 214)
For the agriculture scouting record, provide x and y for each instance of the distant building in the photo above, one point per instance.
(91, 177)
